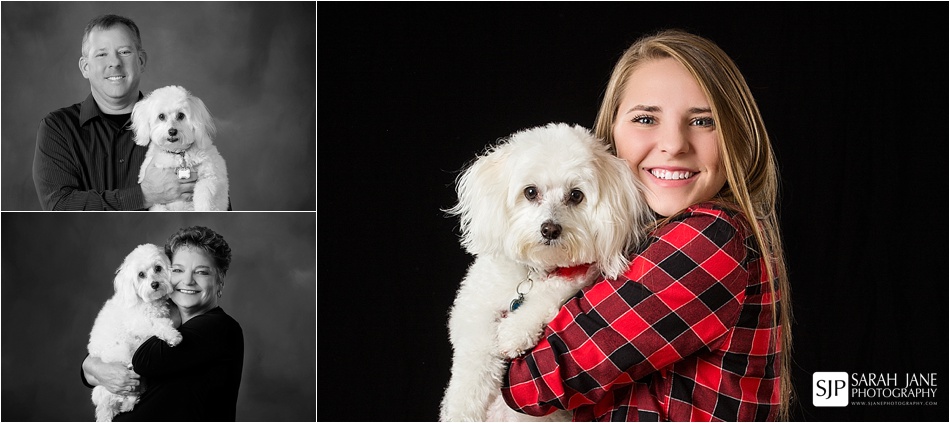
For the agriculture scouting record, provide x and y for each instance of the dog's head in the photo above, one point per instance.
(552, 196)
(173, 119)
(144, 275)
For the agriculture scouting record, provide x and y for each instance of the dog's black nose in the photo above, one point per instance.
(172, 131)
(550, 230)
(154, 285)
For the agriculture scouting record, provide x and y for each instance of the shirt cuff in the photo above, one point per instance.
(131, 198)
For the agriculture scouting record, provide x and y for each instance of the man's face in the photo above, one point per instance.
(113, 65)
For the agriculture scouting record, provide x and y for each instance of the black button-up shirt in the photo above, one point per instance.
(83, 161)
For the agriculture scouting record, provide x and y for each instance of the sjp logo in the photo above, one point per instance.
(829, 389)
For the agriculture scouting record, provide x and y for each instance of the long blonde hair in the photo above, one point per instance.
(752, 178)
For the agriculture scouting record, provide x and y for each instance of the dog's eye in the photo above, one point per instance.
(531, 193)
(141, 274)
(161, 117)
(575, 197)
(158, 269)
(181, 116)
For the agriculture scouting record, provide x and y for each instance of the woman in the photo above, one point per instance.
(197, 380)
(695, 329)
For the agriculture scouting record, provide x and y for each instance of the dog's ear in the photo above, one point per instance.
(126, 276)
(622, 208)
(482, 201)
(141, 121)
(202, 122)
(124, 284)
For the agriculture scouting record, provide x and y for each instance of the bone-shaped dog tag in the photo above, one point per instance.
(184, 173)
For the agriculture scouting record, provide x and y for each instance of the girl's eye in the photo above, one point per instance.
(531, 193)
(704, 122)
(181, 116)
(644, 119)
(161, 117)
(176, 270)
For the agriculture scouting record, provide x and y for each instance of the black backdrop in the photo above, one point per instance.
(853, 95)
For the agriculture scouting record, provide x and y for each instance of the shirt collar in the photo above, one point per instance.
(89, 109)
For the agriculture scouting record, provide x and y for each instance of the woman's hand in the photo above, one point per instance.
(115, 377)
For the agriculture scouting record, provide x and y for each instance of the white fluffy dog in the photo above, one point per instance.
(136, 312)
(544, 212)
(178, 130)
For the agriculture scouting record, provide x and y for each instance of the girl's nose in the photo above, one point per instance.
(673, 141)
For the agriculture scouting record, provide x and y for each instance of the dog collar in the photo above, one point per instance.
(571, 272)
(183, 171)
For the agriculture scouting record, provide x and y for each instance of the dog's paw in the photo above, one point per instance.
(128, 402)
(514, 340)
(174, 339)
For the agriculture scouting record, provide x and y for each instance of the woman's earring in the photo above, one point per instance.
(219, 294)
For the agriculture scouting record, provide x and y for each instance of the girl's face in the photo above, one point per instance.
(665, 131)
(195, 280)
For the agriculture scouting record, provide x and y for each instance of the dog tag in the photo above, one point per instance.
(184, 173)
(515, 303)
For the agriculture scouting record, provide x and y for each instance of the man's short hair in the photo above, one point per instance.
(109, 21)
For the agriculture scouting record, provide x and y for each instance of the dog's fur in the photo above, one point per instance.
(136, 312)
(176, 125)
(519, 239)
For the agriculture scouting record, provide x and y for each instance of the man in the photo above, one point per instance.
(85, 158)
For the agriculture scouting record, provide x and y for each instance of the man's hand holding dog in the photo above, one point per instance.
(161, 186)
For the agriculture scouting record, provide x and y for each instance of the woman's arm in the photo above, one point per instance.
(204, 339)
(680, 295)
(115, 377)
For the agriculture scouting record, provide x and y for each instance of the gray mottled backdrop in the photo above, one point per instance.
(57, 272)
(253, 64)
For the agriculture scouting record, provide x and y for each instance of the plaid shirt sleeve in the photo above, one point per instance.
(681, 296)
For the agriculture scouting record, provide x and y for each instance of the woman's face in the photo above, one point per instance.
(664, 129)
(194, 279)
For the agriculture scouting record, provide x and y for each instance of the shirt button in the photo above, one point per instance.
(121, 160)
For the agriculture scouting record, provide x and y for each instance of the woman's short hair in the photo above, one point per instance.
(205, 240)
(108, 21)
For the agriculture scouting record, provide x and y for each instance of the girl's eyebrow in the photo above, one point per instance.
(655, 109)
(644, 108)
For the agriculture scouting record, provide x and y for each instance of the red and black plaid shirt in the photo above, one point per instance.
(685, 334)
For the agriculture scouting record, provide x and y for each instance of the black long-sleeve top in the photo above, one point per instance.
(197, 380)
(84, 161)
